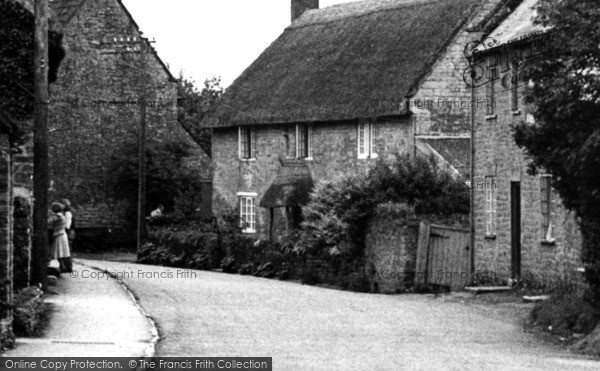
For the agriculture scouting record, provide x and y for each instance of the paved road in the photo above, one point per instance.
(309, 328)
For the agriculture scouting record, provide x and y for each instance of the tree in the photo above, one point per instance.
(16, 59)
(565, 139)
(169, 181)
(193, 105)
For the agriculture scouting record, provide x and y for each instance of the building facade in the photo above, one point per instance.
(95, 105)
(340, 88)
(522, 230)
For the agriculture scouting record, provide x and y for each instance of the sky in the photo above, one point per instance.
(212, 38)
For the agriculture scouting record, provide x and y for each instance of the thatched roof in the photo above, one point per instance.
(292, 186)
(332, 63)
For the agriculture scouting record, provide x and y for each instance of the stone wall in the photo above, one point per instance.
(498, 155)
(22, 227)
(94, 111)
(442, 104)
(391, 249)
(334, 153)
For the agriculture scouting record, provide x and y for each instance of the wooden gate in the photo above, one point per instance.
(443, 257)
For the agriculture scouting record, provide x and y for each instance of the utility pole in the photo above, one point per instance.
(141, 219)
(40, 146)
(142, 172)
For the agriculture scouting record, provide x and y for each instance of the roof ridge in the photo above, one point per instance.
(304, 20)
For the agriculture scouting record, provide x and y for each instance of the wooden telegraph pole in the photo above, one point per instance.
(141, 225)
(40, 146)
(143, 95)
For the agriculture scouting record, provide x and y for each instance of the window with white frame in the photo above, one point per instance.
(367, 140)
(546, 204)
(303, 141)
(247, 142)
(247, 212)
(490, 205)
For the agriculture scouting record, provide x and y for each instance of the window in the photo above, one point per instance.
(490, 205)
(490, 87)
(247, 212)
(303, 141)
(367, 138)
(546, 203)
(247, 142)
(515, 86)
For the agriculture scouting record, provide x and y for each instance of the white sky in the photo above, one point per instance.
(209, 38)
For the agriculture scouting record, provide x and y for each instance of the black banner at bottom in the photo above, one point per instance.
(155, 363)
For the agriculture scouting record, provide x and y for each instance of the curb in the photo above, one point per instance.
(151, 349)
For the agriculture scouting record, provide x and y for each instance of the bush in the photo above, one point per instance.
(339, 210)
(565, 313)
(28, 312)
(181, 249)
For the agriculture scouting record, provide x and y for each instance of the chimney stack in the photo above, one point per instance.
(300, 6)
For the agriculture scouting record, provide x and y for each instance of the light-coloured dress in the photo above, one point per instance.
(60, 243)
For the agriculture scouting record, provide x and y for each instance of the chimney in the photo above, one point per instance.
(300, 6)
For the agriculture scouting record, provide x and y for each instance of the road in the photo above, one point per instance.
(309, 328)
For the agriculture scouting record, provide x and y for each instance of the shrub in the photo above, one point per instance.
(181, 249)
(565, 313)
(338, 210)
(168, 182)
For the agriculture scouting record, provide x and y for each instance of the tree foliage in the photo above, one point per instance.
(16, 59)
(168, 182)
(194, 104)
(565, 139)
(338, 210)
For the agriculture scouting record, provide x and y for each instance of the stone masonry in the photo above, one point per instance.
(335, 143)
(334, 153)
(498, 156)
(95, 108)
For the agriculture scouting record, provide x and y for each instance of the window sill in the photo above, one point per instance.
(548, 242)
(516, 113)
(249, 231)
(491, 237)
(371, 157)
(491, 117)
(305, 158)
(247, 159)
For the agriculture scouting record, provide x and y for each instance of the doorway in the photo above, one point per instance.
(515, 229)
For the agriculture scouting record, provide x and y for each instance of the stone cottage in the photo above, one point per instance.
(522, 231)
(8, 128)
(16, 164)
(95, 112)
(341, 87)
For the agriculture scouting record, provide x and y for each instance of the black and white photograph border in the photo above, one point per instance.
(299, 185)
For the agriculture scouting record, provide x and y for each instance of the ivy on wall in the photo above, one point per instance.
(16, 59)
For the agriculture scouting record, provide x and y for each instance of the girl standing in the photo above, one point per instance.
(60, 243)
